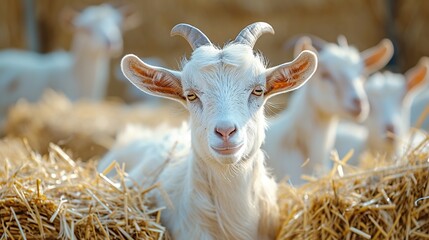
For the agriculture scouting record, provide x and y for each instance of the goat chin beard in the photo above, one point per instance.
(230, 163)
(224, 162)
(228, 159)
(231, 170)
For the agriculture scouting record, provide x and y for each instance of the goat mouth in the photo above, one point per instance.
(389, 138)
(355, 113)
(227, 149)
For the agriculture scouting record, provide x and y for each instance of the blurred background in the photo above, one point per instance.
(37, 26)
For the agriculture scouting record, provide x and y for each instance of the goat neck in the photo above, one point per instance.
(90, 68)
(232, 196)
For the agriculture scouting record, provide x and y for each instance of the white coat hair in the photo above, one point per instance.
(217, 183)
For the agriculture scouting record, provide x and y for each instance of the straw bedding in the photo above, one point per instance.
(86, 128)
(52, 196)
(387, 202)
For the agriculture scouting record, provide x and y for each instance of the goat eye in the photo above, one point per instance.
(258, 91)
(191, 96)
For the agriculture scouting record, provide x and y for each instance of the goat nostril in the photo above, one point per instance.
(357, 103)
(357, 106)
(218, 132)
(390, 129)
(233, 131)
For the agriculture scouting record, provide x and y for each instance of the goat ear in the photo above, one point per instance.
(304, 43)
(156, 81)
(67, 17)
(378, 56)
(417, 76)
(131, 18)
(290, 76)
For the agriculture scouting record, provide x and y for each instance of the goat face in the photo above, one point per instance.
(341, 75)
(224, 91)
(390, 96)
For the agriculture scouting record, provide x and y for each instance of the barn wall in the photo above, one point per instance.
(363, 22)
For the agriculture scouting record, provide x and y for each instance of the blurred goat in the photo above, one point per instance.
(81, 73)
(386, 131)
(219, 188)
(420, 110)
(306, 130)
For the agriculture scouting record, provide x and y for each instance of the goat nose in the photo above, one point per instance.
(357, 103)
(225, 131)
(390, 129)
(356, 106)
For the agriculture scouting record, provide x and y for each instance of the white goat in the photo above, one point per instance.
(306, 130)
(83, 72)
(420, 110)
(220, 188)
(386, 131)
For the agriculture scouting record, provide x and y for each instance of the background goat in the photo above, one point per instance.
(386, 131)
(420, 110)
(306, 130)
(220, 188)
(81, 73)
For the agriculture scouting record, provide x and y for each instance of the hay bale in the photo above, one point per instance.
(86, 128)
(388, 202)
(52, 196)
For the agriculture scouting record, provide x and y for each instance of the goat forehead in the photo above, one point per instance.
(237, 55)
(386, 85)
(345, 60)
(222, 82)
(222, 71)
(339, 52)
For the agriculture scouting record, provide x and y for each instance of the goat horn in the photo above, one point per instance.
(193, 35)
(251, 33)
(317, 42)
(342, 41)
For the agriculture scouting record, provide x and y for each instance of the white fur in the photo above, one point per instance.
(419, 107)
(213, 195)
(300, 139)
(83, 72)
